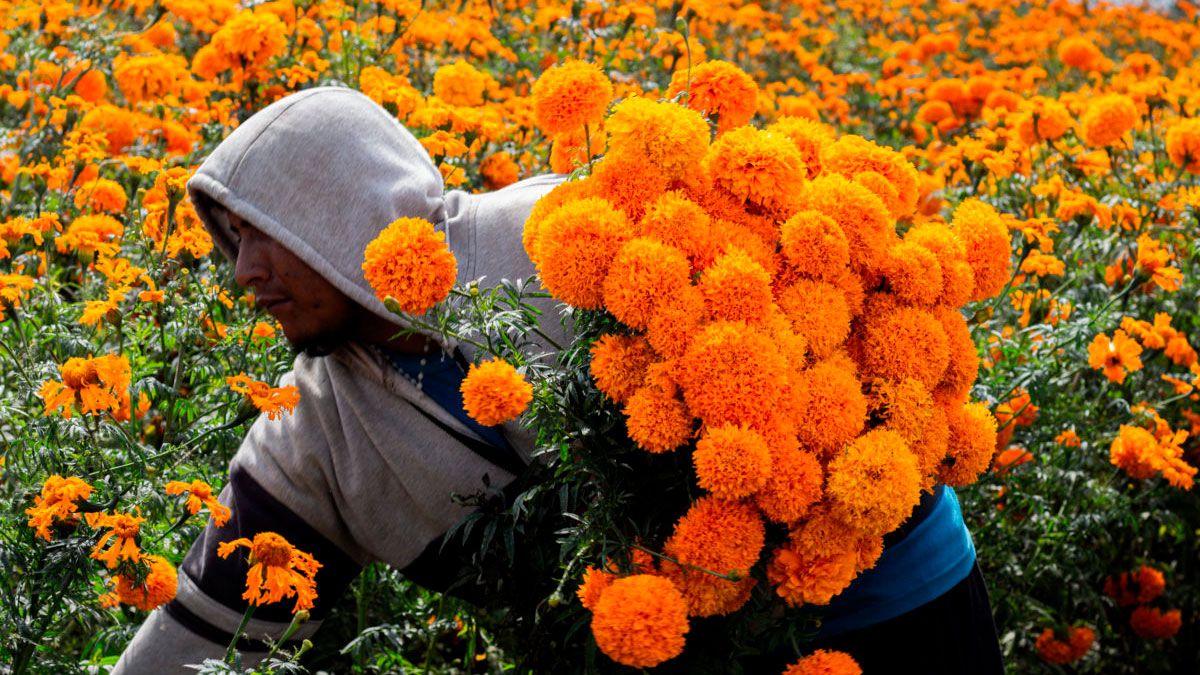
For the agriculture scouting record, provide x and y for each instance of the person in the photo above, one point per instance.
(366, 467)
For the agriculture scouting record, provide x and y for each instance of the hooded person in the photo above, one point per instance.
(368, 465)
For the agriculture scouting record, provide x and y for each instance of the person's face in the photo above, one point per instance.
(315, 315)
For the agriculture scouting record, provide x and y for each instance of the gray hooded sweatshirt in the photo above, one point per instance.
(366, 467)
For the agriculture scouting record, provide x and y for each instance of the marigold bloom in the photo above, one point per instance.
(119, 126)
(12, 287)
(644, 272)
(640, 621)
(96, 384)
(719, 89)
(248, 40)
(972, 444)
(123, 532)
(830, 406)
(716, 535)
(670, 136)
(810, 138)
(499, 170)
(91, 234)
(411, 263)
(460, 83)
(101, 195)
(619, 365)
(875, 482)
(733, 374)
(793, 486)
(814, 244)
(756, 168)
(736, 288)
(57, 502)
(1043, 119)
(676, 220)
(819, 312)
(958, 278)
(157, 588)
(576, 243)
(852, 155)
(271, 400)
(1155, 624)
(824, 662)
(200, 494)
(906, 342)
(1141, 455)
(1079, 52)
(914, 274)
(1116, 356)
(1010, 458)
(986, 243)
(277, 570)
(731, 461)
(1183, 144)
(963, 365)
(595, 581)
(1107, 120)
(1138, 587)
(150, 77)
(656, 419)
(569, 96)
(1078, 641)
(494, 392)
(563, 193)
(819, 561)
(675, 322)
(862, 216)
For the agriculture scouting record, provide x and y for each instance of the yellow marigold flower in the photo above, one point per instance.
(271, 400)
(499, 170)
(670, 136)
(814, 244)
(91, 234)
(736, 288)
(494, 392)
(1115, 357)
(644, 272)
(200, 494)
(756, 168)
(733, 373)
(874, 483)
(640, 621)
(810, 138)
(986, 242)
(656, 419)
(411, 263)
(914, 274)
(824, 662)
(277, 570)
(12, 287)
(250, 39)
(150, 77)
(675, 322)
(95, 384)
(123, 531)
(732, 462)
(818, 311)
(718, 89)
(793, 486)
(862, 217)
(853, 155)
(1107, 120)
(972, 444)
(101, 195)
(676, 220)
(460, 83)
(569, 96)
(906, 342)
(576, 243)
(157, 588)
(830, 406)
(1043, 119)
(57, 502)
(1079, 52)
(1183, 144)
(716, 536)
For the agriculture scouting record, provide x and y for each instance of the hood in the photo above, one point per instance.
(322, 172)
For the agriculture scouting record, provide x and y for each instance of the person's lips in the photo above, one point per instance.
(271, 304)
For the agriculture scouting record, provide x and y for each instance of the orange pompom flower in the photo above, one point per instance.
(830, 406)
(756, 168)
(644, 272)
(670, 136)
(732, 461)
(825, 662)
(576, 244)
(733, 374)
(986, 244)
(200, 494)
(98, 234)
(277, 570)
(862, 217)
(814, 244)
(494, 392)
(101, 195)
(656, 419)
(273, 401)
(640, 621)
(852, 156)
(1155, 624)
(57, 503)
(1054, 649)
(972, 444)
(875, 482)
(906, 342)
(676, 220)
(410, 262)
(818, 311)
(1107, 120)
(810, 138)
(95, 384)
(569, 96)
(155, 589)
(1183, 144)
(793, 486)
(1079, 52)
(715, 536)
(619, 364)
(718, 89)
(914, 274)
(736, 288)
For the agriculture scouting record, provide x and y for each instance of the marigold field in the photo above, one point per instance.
(817, 258)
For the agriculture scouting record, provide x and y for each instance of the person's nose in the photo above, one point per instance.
(251, 268)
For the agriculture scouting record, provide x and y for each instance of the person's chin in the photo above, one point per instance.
(317, 345)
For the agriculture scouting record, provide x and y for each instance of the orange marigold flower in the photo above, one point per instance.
(676, 322)
(718, 89)
(595, 582)
(411, 263)
(200, 494)
(12, 288)
(576, 243)
(460, 83)
(92, 234)
(644, 272)
(1043, 119)
(972, 444)
(119, 126)
(124, 529)
(904, 406)
(986, 242)
(619, 364)
(499, 170)
(565, 192)
(95, 384)
(853, 155)
(1155, 258)
(1078, 641)
(1154, 624)
(818, 311)
(640, 621)
(914, 274)
(250, 39)
(736, 288)
(819, 561)
(670, 136)
(793, 486)
(277, 570)
(814, 244)
(824, 662)
(571, 95)
(57, 502)
(862, 216)
(810, 138)
(101, 194)
(676, 220)
(963, 365)
(958, 278)
(656, 419)
(1107, 120)
(1079, 52)
(153, 590)
(830, 406)
(575, 149)
(756, 168)
(150, 77)
(733, 374)
(494, 392)
(1183, 144)
(715, 536)
(1068, 438)
(1011, 458)
(271, 400)
(1138, 587)
(1141, 454)
(732, 461)
(906, 342)
(1115, 356)
(874, 483)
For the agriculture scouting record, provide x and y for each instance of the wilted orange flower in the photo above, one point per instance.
(1135, 588)
(1155, 624)
(571, 95)
(200, 494)
(155, 589)
(273, 401)
(1077, 642)
(410, 262)
(494, 392)
(95, 384)
(640, 621)
(57, 502)
(277, 570)
(719, 89)
(824, 662)
(123, 531)
(1115, 357)
(1107, 119)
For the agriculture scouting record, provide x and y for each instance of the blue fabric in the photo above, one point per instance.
(936, 555)
(441, 378)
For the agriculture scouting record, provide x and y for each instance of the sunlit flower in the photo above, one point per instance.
(1116, 357)
(94, 384)
(57, 503)
(568, 96)
(200, 495)
(153, 590)
(273, 401)
(123, 531)
(718, 89)
(410, 262)
(494, 392)
(277, 570)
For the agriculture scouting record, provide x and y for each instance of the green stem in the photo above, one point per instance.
(297, 619)
(232, 650)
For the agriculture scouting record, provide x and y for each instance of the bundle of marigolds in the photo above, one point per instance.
(784, 324)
